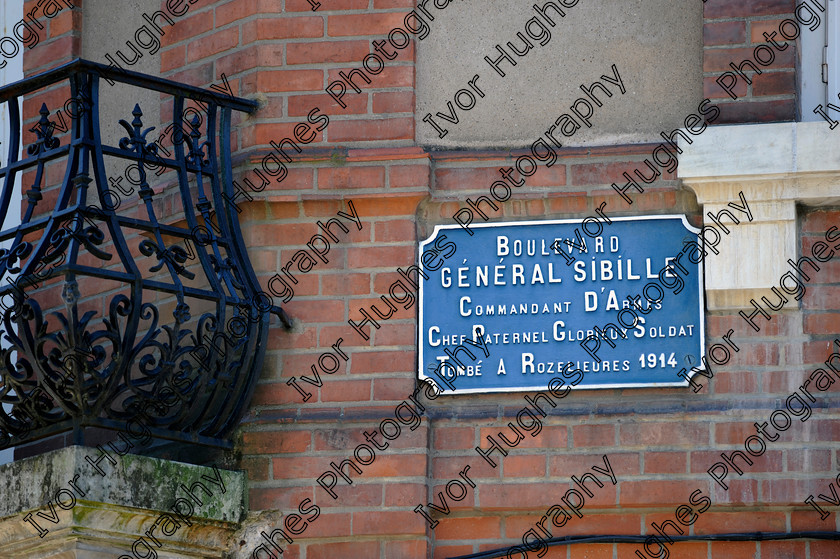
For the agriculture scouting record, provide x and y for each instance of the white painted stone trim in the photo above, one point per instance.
(777, 167)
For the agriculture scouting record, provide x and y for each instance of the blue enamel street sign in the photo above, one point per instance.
(533, 306)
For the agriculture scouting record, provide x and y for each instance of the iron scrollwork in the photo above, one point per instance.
(92, 332)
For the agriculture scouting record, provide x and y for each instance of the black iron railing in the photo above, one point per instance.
(124, 306)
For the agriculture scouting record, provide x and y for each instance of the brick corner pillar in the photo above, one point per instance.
(83, 502)
(51, 34)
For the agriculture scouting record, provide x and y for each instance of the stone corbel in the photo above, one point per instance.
(777, 167)
(57, 506)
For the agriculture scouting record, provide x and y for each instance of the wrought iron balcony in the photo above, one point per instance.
(124, 307)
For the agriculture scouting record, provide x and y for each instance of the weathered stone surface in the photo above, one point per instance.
(656, 45)
(104, 516)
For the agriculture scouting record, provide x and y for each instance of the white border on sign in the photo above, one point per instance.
(420, 330)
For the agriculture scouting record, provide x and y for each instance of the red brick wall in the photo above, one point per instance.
(59, 31)
(731, 32)
(365, 156)
(59, 41)
(660, 441)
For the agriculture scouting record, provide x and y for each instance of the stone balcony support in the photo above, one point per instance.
(59, 505)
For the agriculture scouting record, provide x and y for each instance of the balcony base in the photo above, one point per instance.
(58, 505)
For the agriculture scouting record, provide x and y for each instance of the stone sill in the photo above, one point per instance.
(117, 508)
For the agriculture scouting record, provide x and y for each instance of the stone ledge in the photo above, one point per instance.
(785, 149)
(103, 516)
(777, 167)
